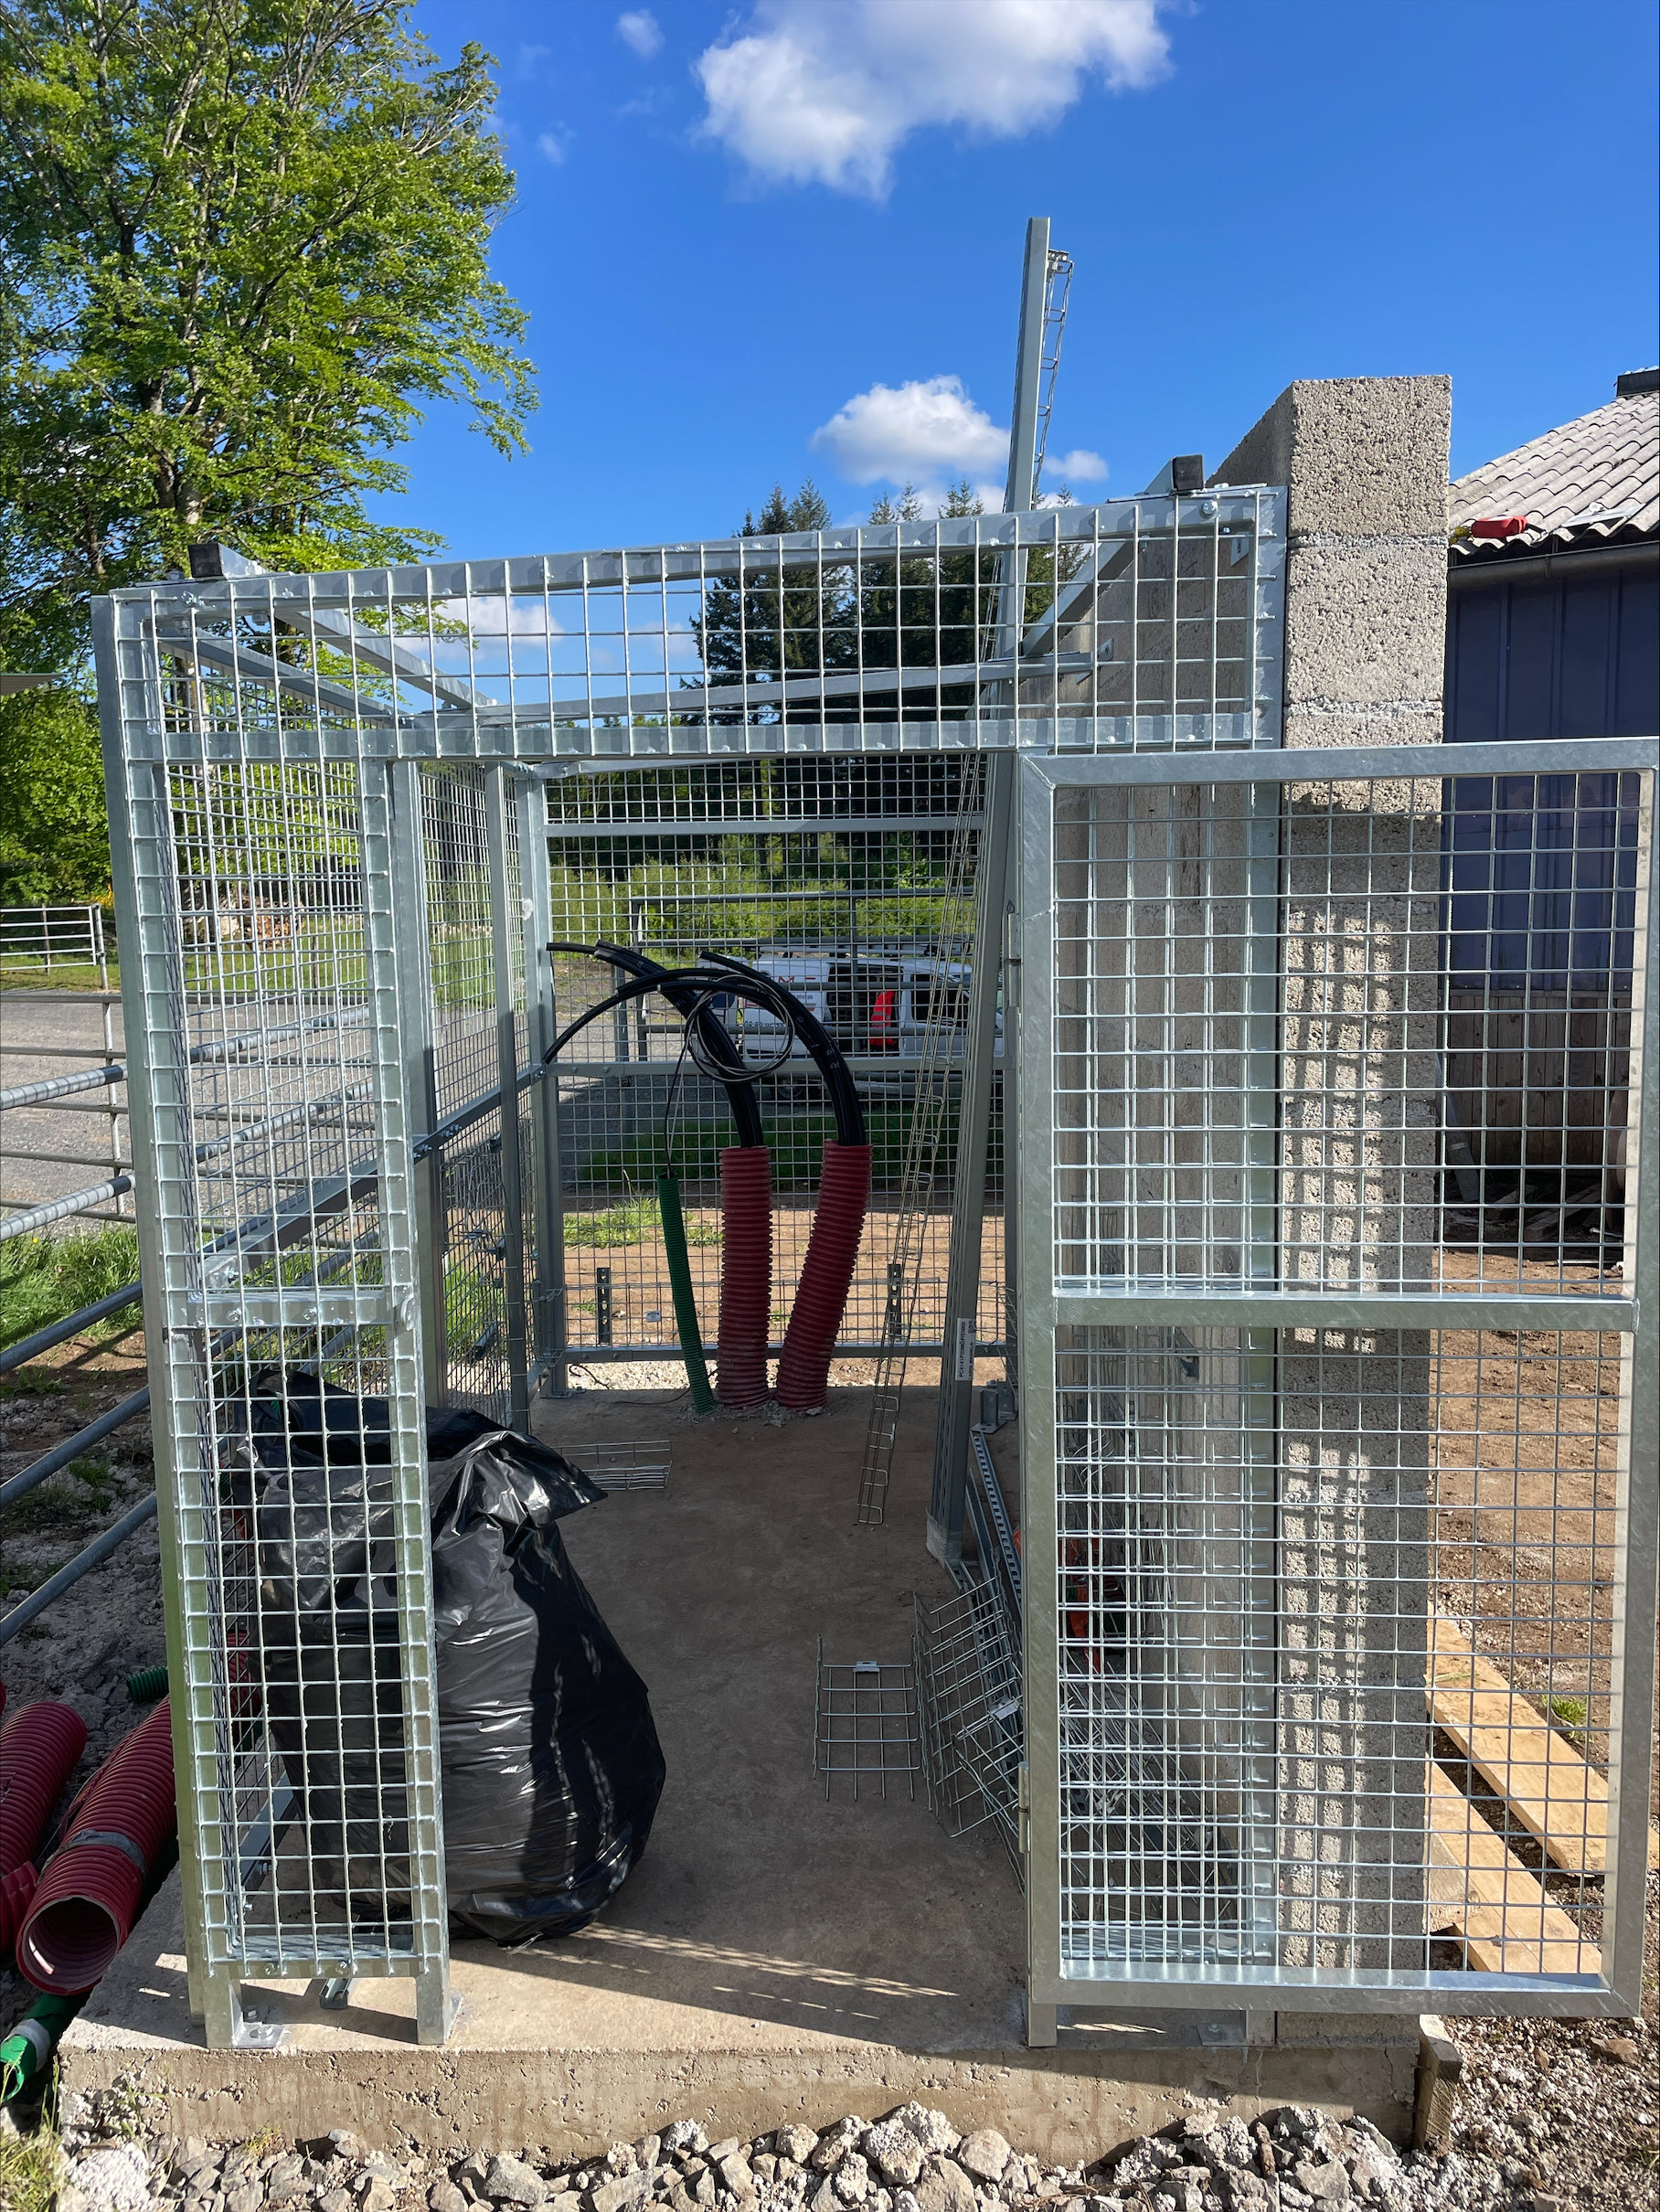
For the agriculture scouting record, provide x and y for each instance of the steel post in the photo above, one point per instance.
(503, 917)
(547, 1313)
(956, 1415)
(420, 1069)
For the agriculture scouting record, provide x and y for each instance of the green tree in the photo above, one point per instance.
(780, 621)
(54, 836)
(241, 242)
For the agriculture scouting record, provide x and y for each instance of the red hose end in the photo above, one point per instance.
(746, 1274)
(83, 1908)
(826, 1277)
(69, 1941)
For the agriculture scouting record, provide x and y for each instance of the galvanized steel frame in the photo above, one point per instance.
(1270, 1306)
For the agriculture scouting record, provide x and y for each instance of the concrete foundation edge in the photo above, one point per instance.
(1064, 2105)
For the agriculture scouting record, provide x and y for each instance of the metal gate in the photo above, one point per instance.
(1306, 1444)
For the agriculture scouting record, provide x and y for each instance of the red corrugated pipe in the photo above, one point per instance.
(746, 1274)
(16, 1890)
(88, 1896)
(40, 1746)
(826, 1276)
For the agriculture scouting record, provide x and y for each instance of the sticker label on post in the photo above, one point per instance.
(965, 1350)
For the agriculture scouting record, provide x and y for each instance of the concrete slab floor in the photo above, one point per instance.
(776, 1956)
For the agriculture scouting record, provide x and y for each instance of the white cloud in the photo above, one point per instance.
(639, 28)
(554, 146)
(913, 432)
(824, 91)
(1080, 466)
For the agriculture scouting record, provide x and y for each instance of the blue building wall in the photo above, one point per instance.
(1554, 655)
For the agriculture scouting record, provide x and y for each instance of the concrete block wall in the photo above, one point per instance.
(1365, 464)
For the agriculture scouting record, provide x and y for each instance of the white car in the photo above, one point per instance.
(878, 1005)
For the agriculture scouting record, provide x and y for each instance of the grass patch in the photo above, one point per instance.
(636, 1221)
(31, 2169)
(84, 1491)
(62, 975)
(1567, 1712)
(47, 1279)
(796, 1145)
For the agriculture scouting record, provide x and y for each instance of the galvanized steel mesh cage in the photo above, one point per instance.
(353, 813)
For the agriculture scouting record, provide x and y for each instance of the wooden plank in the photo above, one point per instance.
(1508, 1924)
(1561, 1801)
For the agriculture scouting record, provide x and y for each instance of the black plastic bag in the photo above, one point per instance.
(550, 1766)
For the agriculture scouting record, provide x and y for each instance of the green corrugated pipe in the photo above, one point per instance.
(147, 1684)
(31, 2043)
(680, 1283)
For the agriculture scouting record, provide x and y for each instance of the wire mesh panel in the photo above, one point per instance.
(1145, 621)
(262, 1001)
(852, 884)
(1340, 1661)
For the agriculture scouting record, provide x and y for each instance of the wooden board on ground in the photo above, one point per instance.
(1508, 1924)
(1561, 1801)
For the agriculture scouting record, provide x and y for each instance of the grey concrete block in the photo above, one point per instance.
(1365, 622)
(1362, 456)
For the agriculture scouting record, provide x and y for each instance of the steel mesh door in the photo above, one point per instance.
(1336, 1481)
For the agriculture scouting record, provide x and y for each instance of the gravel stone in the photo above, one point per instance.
(284, 2178)
(374, 2195)
(984, 2154)
(685, 2135)
(796, 2144)
(945, 2187)
(1327, 2183)
(334, 2200)
(444, 2196)
(834, 2144)
(113, 2181)
(625, 2193)
(509, 2181)
(932, 2129)
(735, 2174)
(852, 2179)
(893, 2148)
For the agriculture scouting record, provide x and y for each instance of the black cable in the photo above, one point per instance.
(826, 1053)
(722, 975)
(725, 1063)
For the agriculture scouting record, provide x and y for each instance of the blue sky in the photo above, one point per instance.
(736, 223)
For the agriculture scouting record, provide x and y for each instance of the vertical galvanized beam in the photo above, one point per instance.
(1021, 489)
(158, 1095)
(547, 1303)
(1637, 1496)
(411, 1546)
(420, 1068)
(948, 1502)
(503, 921)
(1040, 1622)
(956, 1415)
